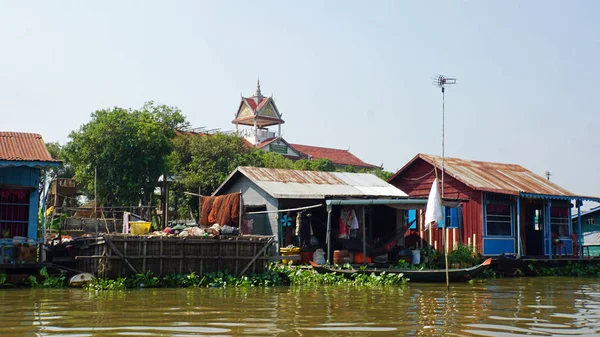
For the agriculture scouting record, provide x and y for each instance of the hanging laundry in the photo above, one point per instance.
(348, 221)
(298, 223)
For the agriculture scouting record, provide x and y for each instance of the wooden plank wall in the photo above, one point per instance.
(416, 181)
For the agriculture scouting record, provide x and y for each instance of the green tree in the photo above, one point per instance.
(56, 152)
(128, 149)
(205, 161)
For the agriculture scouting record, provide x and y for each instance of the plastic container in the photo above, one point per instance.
(319, 256)
(341, 257)
(288, 252)
(360, 259)
(416, 256)
(139, 227)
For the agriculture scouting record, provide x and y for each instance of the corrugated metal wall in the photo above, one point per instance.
(255, 196)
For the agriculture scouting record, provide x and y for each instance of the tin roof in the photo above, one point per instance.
(337, 156)
(296, 184)
(19, 146)
(493, 177)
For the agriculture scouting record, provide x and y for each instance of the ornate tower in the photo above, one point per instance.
(258, 112)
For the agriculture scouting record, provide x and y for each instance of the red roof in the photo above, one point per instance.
(23, 147)
(337, 156)
(266, 142)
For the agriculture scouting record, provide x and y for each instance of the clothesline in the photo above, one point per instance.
(286, 210)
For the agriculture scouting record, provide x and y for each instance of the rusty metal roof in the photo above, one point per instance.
(495, 177)
(19, 146)
(296, 184)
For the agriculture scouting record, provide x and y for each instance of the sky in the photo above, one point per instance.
(345, 74)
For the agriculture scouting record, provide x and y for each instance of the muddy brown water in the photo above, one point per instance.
(504, 307)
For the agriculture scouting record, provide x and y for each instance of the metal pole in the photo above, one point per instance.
(364, 236)
(518, 226)
(328, 232)
(579, 238)
(444, 234)
(443, 134)
(43, 219)
(549, 230)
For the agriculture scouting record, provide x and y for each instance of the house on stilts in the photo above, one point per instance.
(505, 208)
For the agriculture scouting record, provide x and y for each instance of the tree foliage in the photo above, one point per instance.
(56, 152)
(128, 148)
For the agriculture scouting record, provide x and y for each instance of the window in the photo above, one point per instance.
(453, 217)
(559, 221)
(411, 218)
(279, 148)
(498, 219)
(14, 212)
(590, 221)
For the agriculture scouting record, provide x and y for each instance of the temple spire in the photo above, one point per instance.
(258, 93)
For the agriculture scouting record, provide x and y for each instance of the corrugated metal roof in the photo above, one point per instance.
(337, 156)
(496, 177)
(19, 146)
(296, 184)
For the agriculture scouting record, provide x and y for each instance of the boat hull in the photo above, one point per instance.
(433, 275)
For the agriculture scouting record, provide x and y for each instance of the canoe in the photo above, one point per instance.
(428, 275)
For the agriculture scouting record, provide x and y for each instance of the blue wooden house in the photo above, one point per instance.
(23, 163)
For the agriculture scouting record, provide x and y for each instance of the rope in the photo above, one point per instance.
(419, 178)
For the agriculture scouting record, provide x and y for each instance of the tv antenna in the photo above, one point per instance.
(442, 82)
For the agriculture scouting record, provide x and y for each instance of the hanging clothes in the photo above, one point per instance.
(298, 223)
(348, 222)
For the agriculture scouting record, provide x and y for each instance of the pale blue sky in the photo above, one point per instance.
(345, 74)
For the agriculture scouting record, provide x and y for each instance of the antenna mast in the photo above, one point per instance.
(442, 81)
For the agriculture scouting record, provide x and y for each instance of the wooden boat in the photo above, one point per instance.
(428, 275)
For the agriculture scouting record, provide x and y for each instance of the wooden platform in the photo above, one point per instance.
(117, 255)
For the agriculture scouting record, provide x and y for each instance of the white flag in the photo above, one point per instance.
(433, 213)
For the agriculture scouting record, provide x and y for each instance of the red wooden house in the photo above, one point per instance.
(504, 208)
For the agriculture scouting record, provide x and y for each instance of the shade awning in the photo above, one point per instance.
(559, 197)
(420, 203)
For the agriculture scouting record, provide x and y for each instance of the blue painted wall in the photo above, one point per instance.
(20, 176)
(29, 178)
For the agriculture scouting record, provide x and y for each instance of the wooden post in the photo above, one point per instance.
(364, 236)
(240, 218)
(160, 268)
(328, 240)
(518, 226)
(145, 243)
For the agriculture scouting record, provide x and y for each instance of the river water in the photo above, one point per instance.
(504, 307)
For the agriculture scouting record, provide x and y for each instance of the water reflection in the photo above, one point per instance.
(508, 307)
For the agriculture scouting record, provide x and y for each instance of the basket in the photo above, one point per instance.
(139, 227)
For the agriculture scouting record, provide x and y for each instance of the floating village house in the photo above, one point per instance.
(590, 230)
(275, 198)
(257, 113)
(505, 209)
(23, 161)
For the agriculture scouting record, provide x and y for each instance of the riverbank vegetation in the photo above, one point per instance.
(279, 275)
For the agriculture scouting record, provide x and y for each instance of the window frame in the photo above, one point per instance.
(510, 217)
